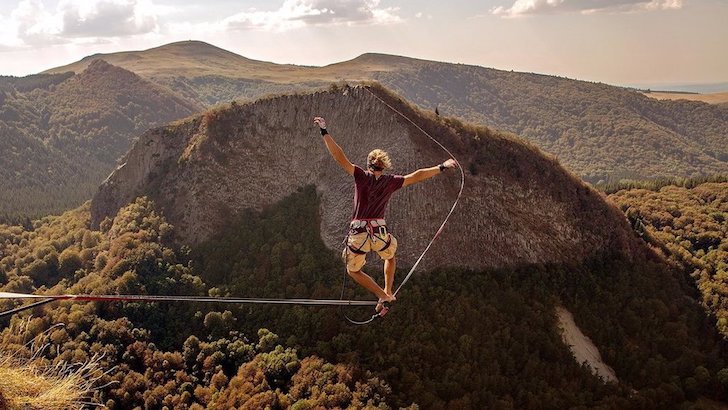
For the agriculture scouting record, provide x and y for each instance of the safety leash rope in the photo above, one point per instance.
(452, 209)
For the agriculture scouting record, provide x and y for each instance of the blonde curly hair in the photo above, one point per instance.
(379, 158)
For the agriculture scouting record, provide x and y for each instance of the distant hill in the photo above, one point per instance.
(62, 134)
(197, 59)
(711, 98)
(601, 132)
(186, 58)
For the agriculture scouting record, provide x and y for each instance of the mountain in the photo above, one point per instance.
(62, 134)
(186, 58)
(519, 206)
(603, 133)
(198, 59)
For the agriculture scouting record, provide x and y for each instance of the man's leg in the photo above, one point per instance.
(389, 268)
(370, 284)
(355, 262)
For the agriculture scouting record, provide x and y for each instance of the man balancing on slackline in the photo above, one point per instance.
(368, 229)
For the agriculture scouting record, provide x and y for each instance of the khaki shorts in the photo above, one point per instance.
(365, 243)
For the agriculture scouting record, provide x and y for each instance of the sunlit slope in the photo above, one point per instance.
(601, 132)
(712, 98)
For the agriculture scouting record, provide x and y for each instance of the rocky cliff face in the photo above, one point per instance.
(518, 205)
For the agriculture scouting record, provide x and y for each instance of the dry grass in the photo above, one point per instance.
(31, 383)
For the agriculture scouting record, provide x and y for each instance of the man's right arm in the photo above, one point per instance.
(334, 148)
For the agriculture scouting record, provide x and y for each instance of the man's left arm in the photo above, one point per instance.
(427, 173)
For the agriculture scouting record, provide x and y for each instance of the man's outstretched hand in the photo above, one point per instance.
(320, 121)
(450, 163)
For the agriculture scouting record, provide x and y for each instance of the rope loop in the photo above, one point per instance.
(457, 199)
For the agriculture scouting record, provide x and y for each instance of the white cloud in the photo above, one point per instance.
(77, 21)
(299, 13)
(7, 33)
(531, 7)
(107, 18)
(34, 24)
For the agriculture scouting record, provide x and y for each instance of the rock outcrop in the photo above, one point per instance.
(518, 206)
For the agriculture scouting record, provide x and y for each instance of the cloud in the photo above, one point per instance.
(299, 13)
(532, 7)
(79, 20)
(34, 24)
(107, 18)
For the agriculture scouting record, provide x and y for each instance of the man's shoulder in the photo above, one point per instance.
(359, 172)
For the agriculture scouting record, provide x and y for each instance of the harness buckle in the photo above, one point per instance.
(384, 311)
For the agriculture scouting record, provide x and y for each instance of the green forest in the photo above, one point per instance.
(456, 339)
(165, 356)
(62, 134)
(688, 226)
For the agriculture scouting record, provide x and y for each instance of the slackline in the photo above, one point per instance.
(43, 299)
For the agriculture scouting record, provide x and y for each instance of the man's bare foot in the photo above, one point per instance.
(382, 301)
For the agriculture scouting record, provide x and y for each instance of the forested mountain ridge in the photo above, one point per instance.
(62, 134)
(519, 206)
(601, 132)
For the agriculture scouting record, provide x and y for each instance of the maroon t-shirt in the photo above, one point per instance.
(371, 194)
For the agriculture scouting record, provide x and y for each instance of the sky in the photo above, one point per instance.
(621, 42)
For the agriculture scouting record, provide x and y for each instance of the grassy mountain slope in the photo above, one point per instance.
(187, 58)
(63, 134)
(603, 133)
(196, 58)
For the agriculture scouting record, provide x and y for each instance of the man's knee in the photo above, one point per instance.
(354, 273)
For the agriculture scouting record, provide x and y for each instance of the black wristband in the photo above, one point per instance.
(323, 131)
(442, 167)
